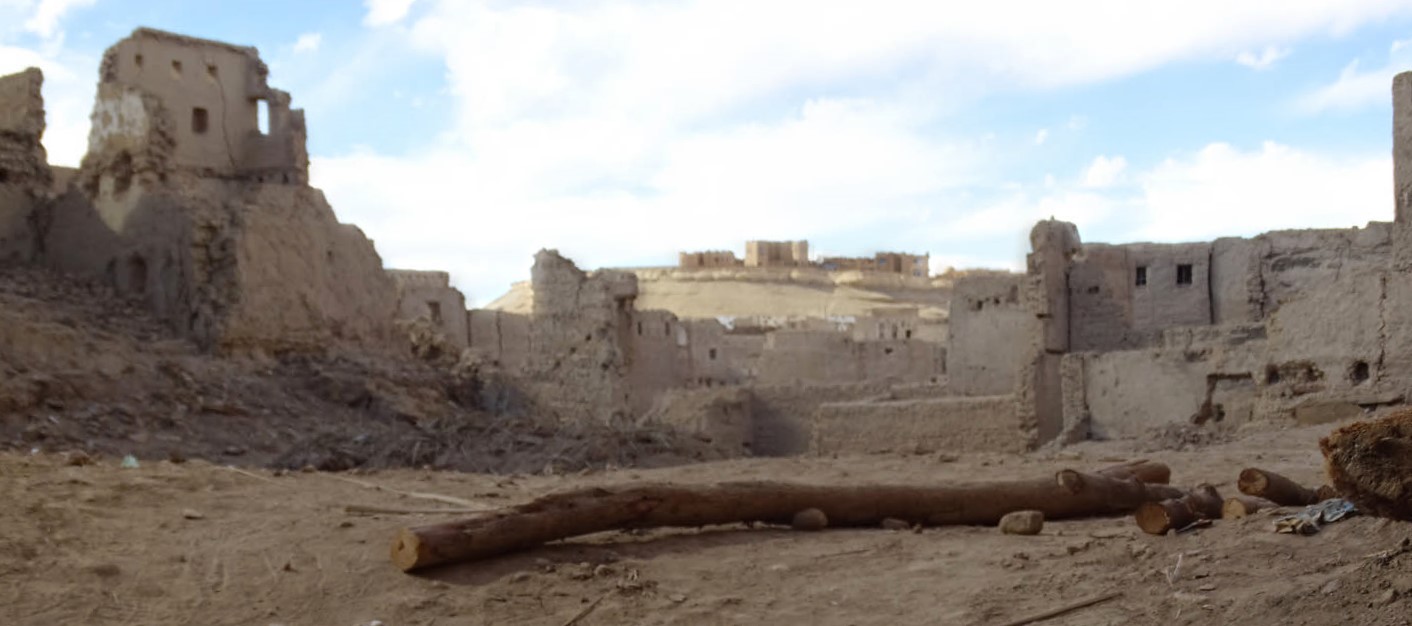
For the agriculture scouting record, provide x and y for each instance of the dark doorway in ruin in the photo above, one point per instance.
(200, 120)
(435, 309)
(122, 172)
(1141, 279)
(1184, 274)
(137, 275)
(1359, 372)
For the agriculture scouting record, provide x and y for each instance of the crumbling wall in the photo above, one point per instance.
(500, 339)
(784, 414)
(971, 424)
(25, 178)
(1123, 296)
(658, 357)
(214, 94)
(989, 334)
(1039, 394)
(832, 357)
(720, 416)
(721, 356)
(429, 295)
(579, 328)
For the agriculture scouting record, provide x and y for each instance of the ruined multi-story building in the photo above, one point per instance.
(429, 295)
(776, 254)
(193, 201)
(916, 265)
(708, 259)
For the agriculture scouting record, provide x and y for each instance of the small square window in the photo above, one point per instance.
(1184, 274)
(1141, 279)
(713, 354)
(200, 120)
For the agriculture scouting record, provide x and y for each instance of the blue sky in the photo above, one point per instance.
(466, 134)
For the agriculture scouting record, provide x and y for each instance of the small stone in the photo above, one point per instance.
(233, 451)
(345, 524)
(810, 519)
(779, 567)
(677, 597)
(1022, 523)
(1385, 598)
(1207, 587)
(192, 514)
(308, 469)
(602, 570)
(519, 577)
(893, 523)
(77, 458)
(1330, 587)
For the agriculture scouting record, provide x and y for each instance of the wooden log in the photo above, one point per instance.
(1370, 464)
(1240, 506)
(1275, 488)
(568, 514)
(1203, 502)
(1142, 470)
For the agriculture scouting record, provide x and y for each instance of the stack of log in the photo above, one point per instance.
(1370, 463)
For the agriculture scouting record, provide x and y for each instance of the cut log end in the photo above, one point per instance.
(1275, 488)
(1156, 518)
(407, 551)
(1244, 506)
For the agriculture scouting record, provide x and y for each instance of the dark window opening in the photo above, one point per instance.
(1184, 274)
(666, 329)
(588, 338)
(176, 69)
(1092, 290)
(909, 334)
(639, 329)
(887, 350)
(138, 59)
(1141, 276)
(4, 176)
(122, 172)
(435, 309)
(211, 71)
(712, 354)
(1359, 372)
(137, 275)
(1272, 374)
(980, 304)
(200, 120)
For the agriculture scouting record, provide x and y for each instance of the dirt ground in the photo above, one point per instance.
(198, 543)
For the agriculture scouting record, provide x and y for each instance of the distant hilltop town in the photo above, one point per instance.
(796, 254)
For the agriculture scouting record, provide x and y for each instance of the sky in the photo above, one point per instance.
(464, 135)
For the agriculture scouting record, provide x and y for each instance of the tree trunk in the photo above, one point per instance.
(1275, 488)
(1370, 463)
(1068, 494)
(1156, 518)
(1244, 506)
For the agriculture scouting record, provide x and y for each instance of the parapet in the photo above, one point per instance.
(169, 102)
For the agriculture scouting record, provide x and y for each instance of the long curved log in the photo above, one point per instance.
(1068, 494)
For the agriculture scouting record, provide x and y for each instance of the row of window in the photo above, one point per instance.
(1183, 275)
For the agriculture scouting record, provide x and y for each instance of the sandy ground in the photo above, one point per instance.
(196, 543)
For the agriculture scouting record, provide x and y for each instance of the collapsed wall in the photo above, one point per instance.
(187, 201)
(428, 295)
(25, 177)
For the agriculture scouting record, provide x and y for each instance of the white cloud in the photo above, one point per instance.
(45, 20)
(308, 42)
(1222, 190)
(1355, 87)
(1104, 172)
(386, 12)
(603, 127)
(1264, 60)
(1041, 136)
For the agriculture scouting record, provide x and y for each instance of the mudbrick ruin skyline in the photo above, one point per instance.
(197, 357)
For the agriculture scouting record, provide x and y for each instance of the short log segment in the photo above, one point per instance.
(1241, 506)
(1370, 463)
(1275, 488)
(580, 512)
(1203, 502)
